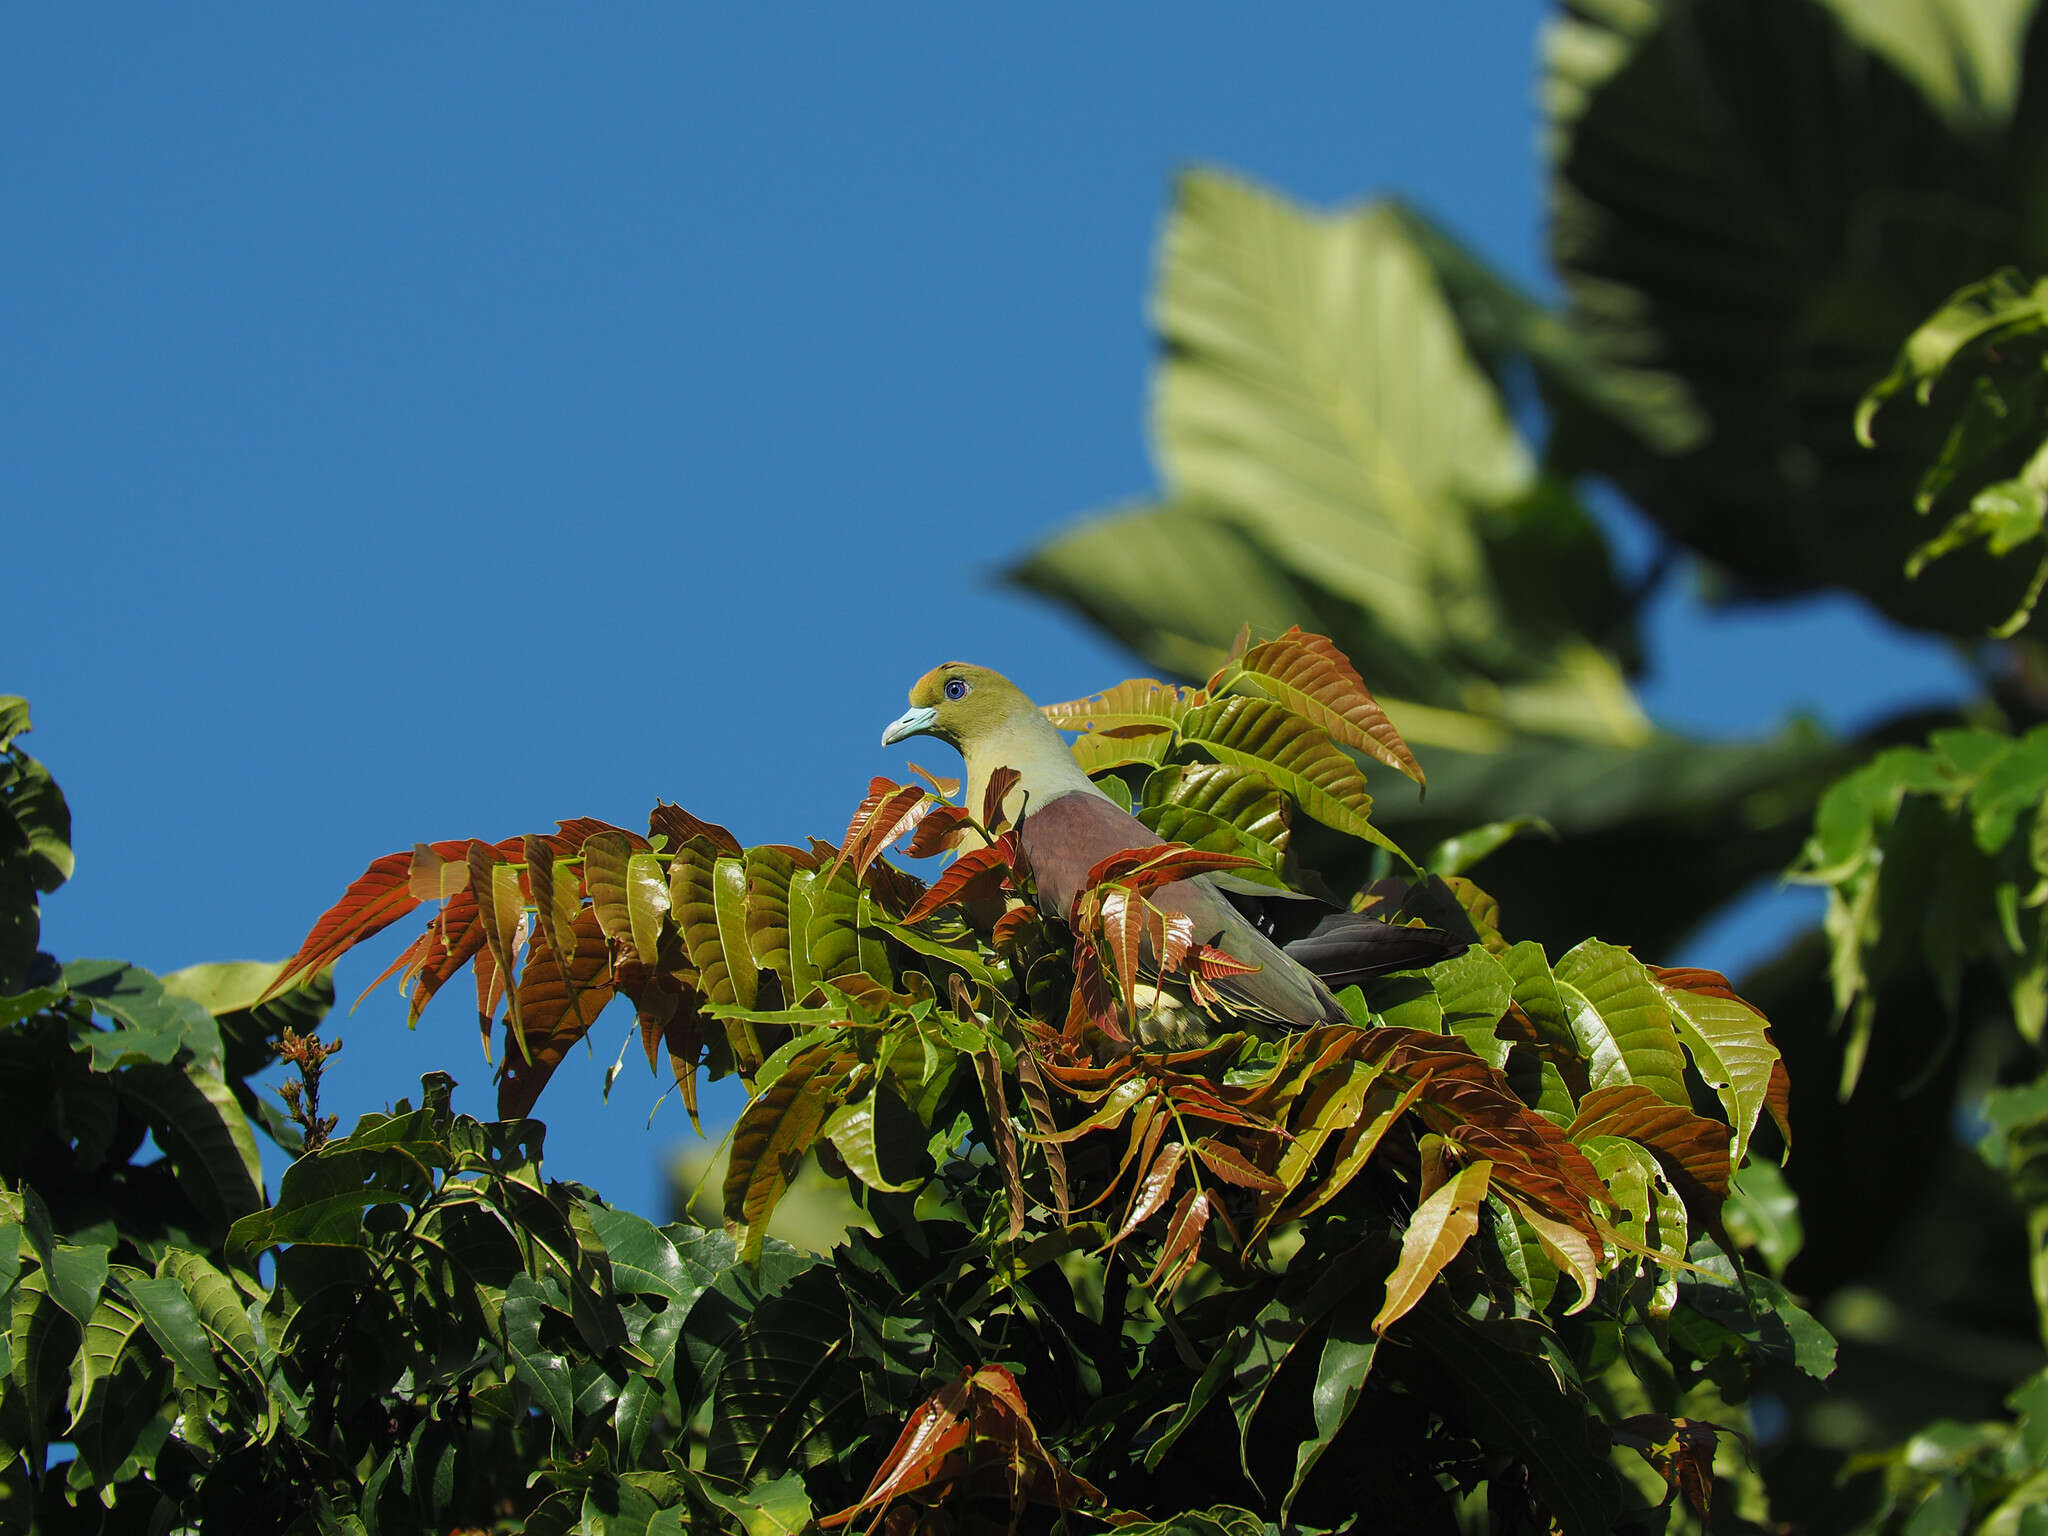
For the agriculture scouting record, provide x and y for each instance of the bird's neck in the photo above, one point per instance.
(1029, 744)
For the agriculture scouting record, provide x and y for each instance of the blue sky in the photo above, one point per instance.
(432, 421)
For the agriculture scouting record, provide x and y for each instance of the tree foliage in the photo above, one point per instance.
(1470, 1252)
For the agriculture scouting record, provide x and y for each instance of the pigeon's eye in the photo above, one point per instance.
(956, 688)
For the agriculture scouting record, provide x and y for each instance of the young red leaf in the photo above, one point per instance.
(678, 826)
(1031, 1086)
(1154, 1189)
(459, 932)
(1698, 1146)
(1175, 932)
(375, 899)
(1233, 1167)
(554, 1006)
(976, 875)
(1160, 864)
(938, 832)
(1000, 783)
(1123, 931)
(946, 788)
(1214, 964)
(410, 959)
(1183, 1243)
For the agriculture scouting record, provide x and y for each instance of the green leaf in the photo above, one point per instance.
(1729, 1046)
(1762, 1214)
(74, 1276)
(31, 800)
(172, 1321)
(778, 1508)
(644, 1259)
(1300, 758)
(543, 1370)
(1348, 1351)
(1474, 989)
(786, 1396)
(102, 1351)
(1459, 852)
(1619, 1019)
(154, 1025)
(43, 1342)
(199, 1123)
(879, 1140)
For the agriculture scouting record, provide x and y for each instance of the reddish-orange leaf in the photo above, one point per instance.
(1000, 783)
(1162, 863)
(375, 899)
(1778, 1095)
(460, 934)
(976, 875)
(1183, 1242)
(1176, 934)
(1233, 1167)
(1031, 1085)
(413, 956)
(972, 1439)
(679, 826)
(946, 788)
(939, 830)
(1012, 925)
(888, 811)
(1154, 1188)
(554, 1007)
(1123, 931)
(1214, 964)
(1698, 1145)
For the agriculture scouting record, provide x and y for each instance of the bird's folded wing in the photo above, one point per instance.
(1349, 946)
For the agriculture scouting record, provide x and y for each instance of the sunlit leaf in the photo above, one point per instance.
(1437, 1230)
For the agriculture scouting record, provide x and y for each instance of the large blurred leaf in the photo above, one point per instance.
(1754, 201)
(1333, 455)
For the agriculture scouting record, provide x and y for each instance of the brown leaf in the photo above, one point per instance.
(1698, 1146)
(1000, 783)
(1144, 869)
(1031, 1086)
(972, 1439)
(459, 932)
(1232, 1166)
(975, 876)
(938, 832)
(1681, 1450)
(554, 1006)
(890, 811)
(1316, 680)
(1002, 1135)
(490, 991)
(1154, 1188)
(1437, 1230)
(1183, 1243)
(678, 826)
(375, 899)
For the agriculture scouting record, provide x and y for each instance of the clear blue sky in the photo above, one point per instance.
(432, 421)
